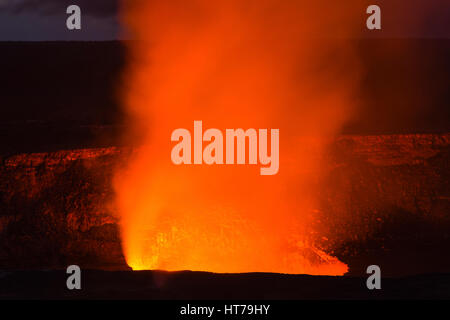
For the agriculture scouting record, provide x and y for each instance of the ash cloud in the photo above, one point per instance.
(97, 8)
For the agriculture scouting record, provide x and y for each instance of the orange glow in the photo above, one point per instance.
(232, 64)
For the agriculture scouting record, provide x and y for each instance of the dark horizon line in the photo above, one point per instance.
(125, 40)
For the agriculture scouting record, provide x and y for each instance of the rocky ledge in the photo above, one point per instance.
(384, 198)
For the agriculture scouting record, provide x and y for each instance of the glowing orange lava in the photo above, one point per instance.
(232, 64)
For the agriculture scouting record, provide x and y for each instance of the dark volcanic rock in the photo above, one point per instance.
(55, 210)
(384, 200)
(187, 285)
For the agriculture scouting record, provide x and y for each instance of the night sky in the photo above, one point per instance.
(45, 20)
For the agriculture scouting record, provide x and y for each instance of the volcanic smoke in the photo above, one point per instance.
(233, 64)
